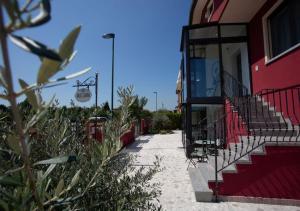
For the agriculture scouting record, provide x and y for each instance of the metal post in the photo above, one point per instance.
(96, 89)
(112, 76)
(112, 36)
(96, 104)
(216, 164)
(155, 101)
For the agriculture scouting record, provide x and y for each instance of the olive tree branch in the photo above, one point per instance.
(16, 115)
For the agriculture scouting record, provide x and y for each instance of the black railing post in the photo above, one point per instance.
(216, 164)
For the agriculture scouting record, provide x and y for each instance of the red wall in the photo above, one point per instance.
(281, 73)
(284, 72)
(128, 137)
(274, 175)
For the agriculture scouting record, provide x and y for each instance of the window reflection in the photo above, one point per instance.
(205, 71)
(203, 115)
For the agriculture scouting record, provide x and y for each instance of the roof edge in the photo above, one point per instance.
(193, 6)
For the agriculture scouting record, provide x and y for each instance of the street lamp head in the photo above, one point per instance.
(108, 36)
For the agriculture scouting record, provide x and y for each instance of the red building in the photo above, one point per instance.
(240, 98)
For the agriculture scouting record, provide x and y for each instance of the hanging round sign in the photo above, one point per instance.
(83, 95)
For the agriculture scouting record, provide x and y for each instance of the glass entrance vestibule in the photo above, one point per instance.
(216, 64)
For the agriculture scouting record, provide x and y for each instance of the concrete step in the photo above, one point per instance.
(200, 185)
(208, 171)
(269, 124)
(222, 161)
(261, 118)
(274, 132)
(252, 144)
(255, 110)
(271, 140)
(234, 154)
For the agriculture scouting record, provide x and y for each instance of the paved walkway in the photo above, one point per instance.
(177, 191)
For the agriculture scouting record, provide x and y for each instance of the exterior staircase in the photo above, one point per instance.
(255, 135)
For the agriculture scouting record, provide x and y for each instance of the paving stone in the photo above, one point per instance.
(177, 191)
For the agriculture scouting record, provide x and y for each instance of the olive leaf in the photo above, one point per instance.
(57, 160)
(68, 61)
(30, 94)
(67, 46)
(49, 67)
(13, 143)
(61, 159)
(34, 47)
(44, 16)
(49, 170)
(59, 187)
(74, 180)
(74, 75)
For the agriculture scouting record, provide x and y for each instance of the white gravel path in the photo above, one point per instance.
(177, 191)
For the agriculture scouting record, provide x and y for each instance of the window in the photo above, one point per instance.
(203, 115)
(202, 33)
(283, 28)
(205, 71)
(233, 30)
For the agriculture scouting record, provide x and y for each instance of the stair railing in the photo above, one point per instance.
(271, 115)
(284, 103)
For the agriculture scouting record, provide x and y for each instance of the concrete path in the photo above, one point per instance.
(177, 191)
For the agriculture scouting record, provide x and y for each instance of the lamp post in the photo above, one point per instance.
(155, 101)
(111, 36)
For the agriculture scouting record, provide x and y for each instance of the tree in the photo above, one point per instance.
(105, 107)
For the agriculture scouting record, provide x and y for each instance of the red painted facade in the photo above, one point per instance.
(274, 175)
(281, 73)
(277, 173)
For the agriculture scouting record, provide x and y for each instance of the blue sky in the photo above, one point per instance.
(146, 46)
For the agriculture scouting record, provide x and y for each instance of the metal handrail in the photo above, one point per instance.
(276, 89)
(261, 120)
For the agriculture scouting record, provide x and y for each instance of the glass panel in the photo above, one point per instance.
(205, 71)
(236, 69)
(233, 30)
(202, 33)
(183, 125)
(184, 81)
(202, 116)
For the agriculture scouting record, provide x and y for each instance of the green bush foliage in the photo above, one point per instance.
(164, 121)
(46, 161)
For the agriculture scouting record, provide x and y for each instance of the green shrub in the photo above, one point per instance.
(165, 120)
(160, 121)
(175, 120)
(44, 163)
